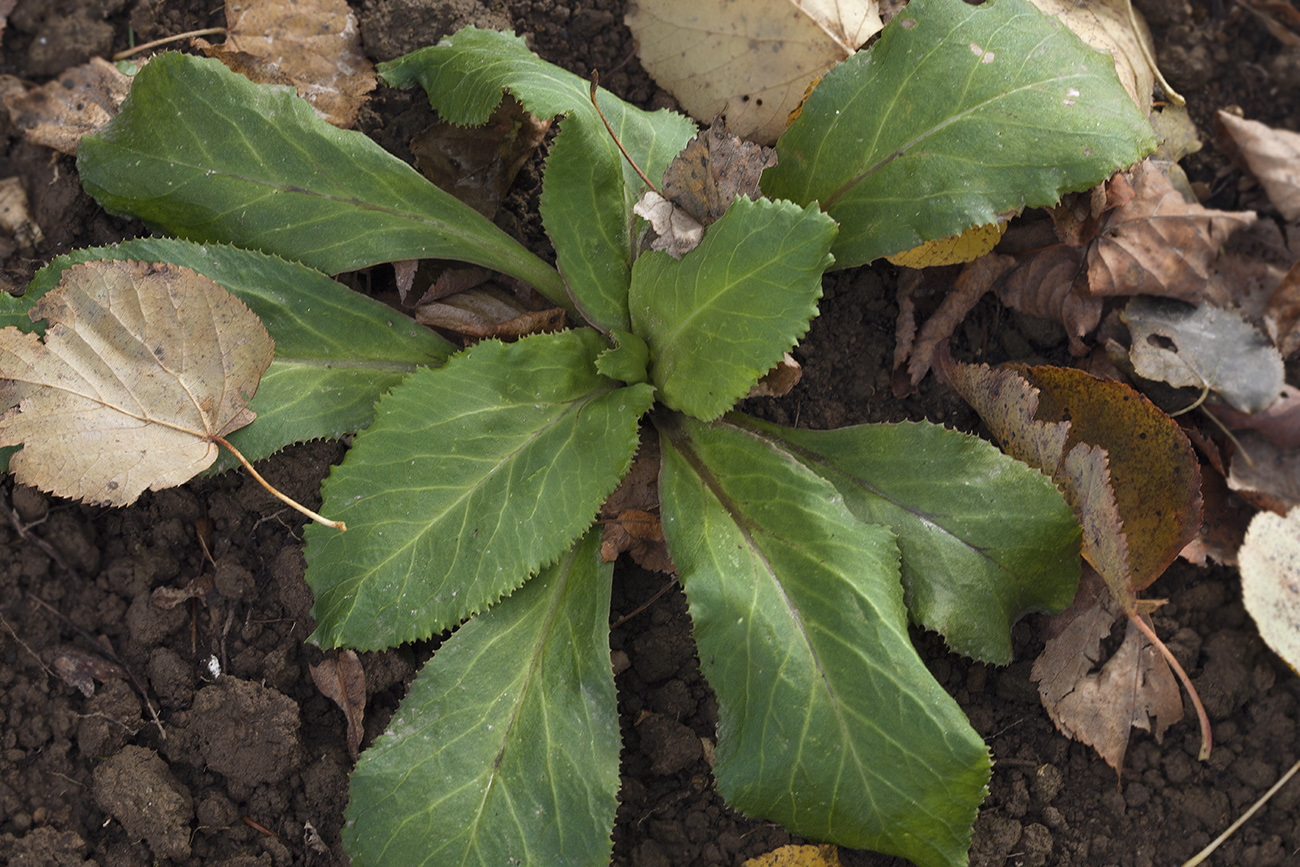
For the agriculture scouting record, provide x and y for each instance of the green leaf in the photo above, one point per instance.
(589, 188)
(336, 351)
(829, 723)
(720, 317)
(958, 114)
(505, 751)
(985, 538)
(628, 361)
(206, 154)
(473, 476)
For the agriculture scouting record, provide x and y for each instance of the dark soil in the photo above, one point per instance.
(253, 766)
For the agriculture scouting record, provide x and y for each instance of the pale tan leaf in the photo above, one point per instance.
(16, 219)
(1274, 158)
(141, 368)
(676, 232)
(312, 44)
(1107, 26)
(77, 103)
(703, 53)
(1270, 581)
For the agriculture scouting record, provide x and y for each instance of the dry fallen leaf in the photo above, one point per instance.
(77, 103)
(16, 219)
(1273, 156)
(1204, 347)
(80, 669)
(486, 312)
(751, 61)
(313, 45)
(778, 381)
(477, 164)
(631, 514)
(1159, 243)
(1099, 703)
(1265, 475)
(676, 232)
(1115, 27)
(142, 367)
(826, 855)
(1270, 581)
(342, 680)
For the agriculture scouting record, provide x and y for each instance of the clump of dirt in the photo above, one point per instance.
(253, 765)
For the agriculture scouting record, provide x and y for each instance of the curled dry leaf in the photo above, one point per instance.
(676, 232)
(1270, 581)
(1280, 423)
(487, 312)
(1098, 702)
(313, 45)
(143, 366)
(1115, 27)
(1204, 347)
(80, 669)
(631, 514)
(342, 680)
(1273, 156)
(1159, 243)
(77, 103)
(704, 53)
(1052, 284)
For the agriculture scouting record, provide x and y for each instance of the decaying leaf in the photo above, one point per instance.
(778, 381)
(313, 45)
(342, 680)
(1159, 243)
(1098, 702)
(487, 312)
(1282, 313)
(1115, 27)
(477, 164)
(142, 367)
(631, 514)
(1264, 474)
(77, 103)
(798, 856)
(750, 62)
(1204, 347)
(1270, 581)
(202, 588)
(953, 250)
(1052, 284)
(16, 219)
(1273, 156)
(80, 669)
(699, 185)
(1280, 423)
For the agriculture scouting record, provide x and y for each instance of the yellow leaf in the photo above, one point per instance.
(798, 856)
(953, 250)
(750, 62)
(142, 367)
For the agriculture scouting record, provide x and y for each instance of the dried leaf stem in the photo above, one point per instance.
(189, 34)
(1241, 820)
(1207, 737)
(595, 81)
(337, 525)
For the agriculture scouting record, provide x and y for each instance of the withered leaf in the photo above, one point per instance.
(1273, 156)
(778, 381)
(77, 103)
(676, 232)
(142, 367)
(1270, 581)
(1134, 688)
(16, 218)
(80, 669)
(342, 680)
(1107, 25)
(486, 312)
(1264, 474)
(313, 45)
(712, 170)
(630, 515)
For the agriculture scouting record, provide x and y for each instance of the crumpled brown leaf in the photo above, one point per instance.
(1273, 156)
(342, 680)
(702, 52)
(1100, 706)
(1264, 474)
(488, 312)
(631, 514)
(80, 669)
(142, 367)
(313, 45)
(59, 113)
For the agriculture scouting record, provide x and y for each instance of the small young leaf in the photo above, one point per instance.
(628, 361)
(721, 316)
(505, 751)
(589, 188)
(336, 351)
(254, 166)
(142, 368)
(829, 723)
(473, 476)
(959, 113)
(985, 538)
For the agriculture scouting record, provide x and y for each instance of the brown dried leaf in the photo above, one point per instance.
(1282, 313)
(477, 164)
(16, 219)
(488, 312)
(80, 669)
(81, 100)
(1264, 474)
(778, 381)
(975, 279)
(142, 367)
(712, 170)
(1052, 284)
(1134, 688)
(202, 588)
(676, 232)
(631, 514)
(313, 45)
(342, 680)
(1273, 156)
(1158, 243)
(1270, 581)
(1280, 422)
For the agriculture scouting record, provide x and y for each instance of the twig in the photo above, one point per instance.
(207, 31)
(595, 80)
(1205, 853)
(337, 525)
(644, 605)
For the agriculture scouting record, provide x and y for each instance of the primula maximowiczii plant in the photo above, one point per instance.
(470, 490)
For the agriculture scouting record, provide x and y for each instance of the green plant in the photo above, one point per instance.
(471, 493)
